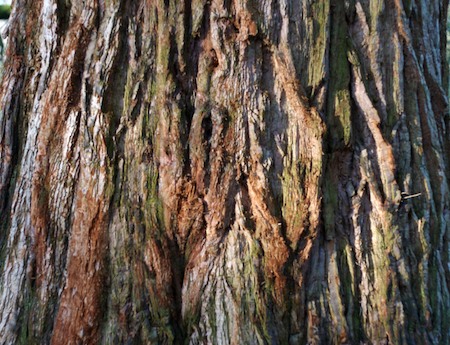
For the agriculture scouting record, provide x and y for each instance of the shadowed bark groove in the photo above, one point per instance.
(225, 172)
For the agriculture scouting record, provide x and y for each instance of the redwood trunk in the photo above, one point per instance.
(225, 172)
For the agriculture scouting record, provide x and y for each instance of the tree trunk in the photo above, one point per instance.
(225, 172)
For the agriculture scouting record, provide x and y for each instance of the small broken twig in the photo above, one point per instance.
(406, 196)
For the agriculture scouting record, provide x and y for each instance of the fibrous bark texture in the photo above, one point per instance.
(225, 172)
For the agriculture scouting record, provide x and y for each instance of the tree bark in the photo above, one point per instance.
(225, 172)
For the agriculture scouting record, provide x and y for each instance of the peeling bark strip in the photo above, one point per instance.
(225, 172)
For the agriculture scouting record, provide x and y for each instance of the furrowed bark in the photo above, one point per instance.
(225, 172)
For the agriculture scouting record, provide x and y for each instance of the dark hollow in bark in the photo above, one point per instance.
(225, 172)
